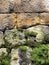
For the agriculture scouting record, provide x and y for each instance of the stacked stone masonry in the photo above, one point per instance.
(24, 5)
(24, 27)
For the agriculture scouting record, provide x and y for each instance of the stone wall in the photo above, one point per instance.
(24, 6)
(24, 27)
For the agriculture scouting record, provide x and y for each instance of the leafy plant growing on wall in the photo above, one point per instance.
(4, 60)
(39, 55)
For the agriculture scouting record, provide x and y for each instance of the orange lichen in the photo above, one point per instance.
(37, 20)
(14, 16)
(28, 21)
(18, 19)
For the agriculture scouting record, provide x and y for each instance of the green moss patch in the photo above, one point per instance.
(39, 56)
(4, 60)
(23, 48)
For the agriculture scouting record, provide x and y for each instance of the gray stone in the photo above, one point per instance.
(3, 50)
(44, 18)
(14, 62)
(42, 33)
(14, 54)
(14, 37)
(18, 20)
(25, 56)
(30, 5)
(24, 6)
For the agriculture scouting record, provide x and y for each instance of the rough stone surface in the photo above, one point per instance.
(18, 20)
(14, 54)
(17, 43)
(14, 62)
(6, 19)
(15, 57)
(4, 6)
(3, 50)
(22, 20)
(14, 37)
(44, 17)
(41, 32)
(24, 5)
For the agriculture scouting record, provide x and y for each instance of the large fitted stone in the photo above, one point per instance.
(4, 6)
(42, 33)
(30, 5)
(14, 54)
(14, 62)
(3, 50)
(15, 57)
(24, 6)
(18, 20)
(15, 20)
(14, 37)
(7, 20)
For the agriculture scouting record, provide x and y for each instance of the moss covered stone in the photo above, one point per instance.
(4, 59)
(14, 37)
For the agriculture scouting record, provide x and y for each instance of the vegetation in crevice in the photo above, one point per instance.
(27, 34)
(5, 59)
(23, 48)
(39, 55)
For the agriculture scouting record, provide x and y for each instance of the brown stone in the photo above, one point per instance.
(22, 19)
(24, 6)
(30, 5)
(18, 20)
(4, 6)
(44, 18)
(7, 20)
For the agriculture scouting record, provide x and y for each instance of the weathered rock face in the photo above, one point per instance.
(15, 57)
(3, 50)
(14, 37)
(24, 5)
(41, 31)
(44, 18)
(21, 56)
(19, 44)
(4, 6)
(18, 20)
(14, 20)
(24, 32)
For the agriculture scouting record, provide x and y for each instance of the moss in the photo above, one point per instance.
(33, 43)
(23, 48)
(26, 33)
(39, 56)
(20, 29)
(4, 60)
(46, 38)
(32, 33)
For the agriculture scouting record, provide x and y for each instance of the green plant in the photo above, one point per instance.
(20, 29)
(4, 60)
(33, 43)
(26, 33)
(23, 48)
(46, 38)
(39, 55)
